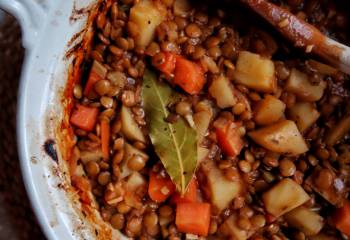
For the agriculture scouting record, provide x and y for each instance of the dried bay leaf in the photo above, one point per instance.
(174, 143)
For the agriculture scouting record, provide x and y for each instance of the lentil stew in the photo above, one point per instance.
(197, 120)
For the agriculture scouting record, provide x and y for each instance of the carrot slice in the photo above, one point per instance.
(168, 66)
(341, 219)
(160, 188)
(229, 139)
(105, 131)
(193, 218)
(84, 117)
(189, 196)
(189, 76)
(97, 72)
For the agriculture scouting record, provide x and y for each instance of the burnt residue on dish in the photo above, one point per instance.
(49, 148)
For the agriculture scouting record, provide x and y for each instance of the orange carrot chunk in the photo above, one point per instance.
(105, 129)
(168, 65)
(341, 219)
(97, 72)
(159, 187)
(189, 76)
(84, 117)
(193, 218)
(229, 139)
(189, 196)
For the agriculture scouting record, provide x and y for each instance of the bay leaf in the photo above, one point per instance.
(174, 143)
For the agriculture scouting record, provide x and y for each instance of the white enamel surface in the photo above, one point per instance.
(47, 30)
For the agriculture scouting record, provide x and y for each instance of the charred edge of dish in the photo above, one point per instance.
(49, 148)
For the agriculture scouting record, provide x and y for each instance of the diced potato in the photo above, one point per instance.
(134, 181)
(202, 153)
(79, 171)
(284, 197)
(305, 220)
(338, 131)
(129, 152)
(147, 16)
(281, 137)
(87, 156)
(202, 118)
(129, 127)
(221, 191)
(255, 71)
(269, 110)
(202, 121)
(298, 83)
(230, 229)
(304, 114)
(221, 90)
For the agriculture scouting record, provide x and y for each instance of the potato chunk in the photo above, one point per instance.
(298, 83)
(135, 181)
(269, 110)
(305, 220)
(283, 197)
(221, 191)
(147, 16)
(304, 114)
(255, 71)
(221, 90)
(281, 137)
(129, 127)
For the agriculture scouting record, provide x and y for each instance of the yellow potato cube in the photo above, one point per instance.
(284, 197)
(281, 137)
(304, 114)
(269, 110)
(255, 72)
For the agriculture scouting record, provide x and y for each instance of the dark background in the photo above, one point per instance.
(17, 220)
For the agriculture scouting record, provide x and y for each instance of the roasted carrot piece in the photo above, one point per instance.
(189, 196)
(97, 72)
(188, 75)
(229, 139)
(105, 129)
(160, 188)
(193, 218)
(341, 218)
(168, 66)
(84, 117)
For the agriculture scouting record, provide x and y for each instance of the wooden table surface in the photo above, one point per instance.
(17, 220)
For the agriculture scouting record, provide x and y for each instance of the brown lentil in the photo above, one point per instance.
(193, 31)
(136, 163)
(104, 178)
(324, 179)
(287, 167)
(92, 168)
(117, 221)
(244, 223)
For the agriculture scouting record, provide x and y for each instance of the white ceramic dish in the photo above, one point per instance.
(47, 28)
